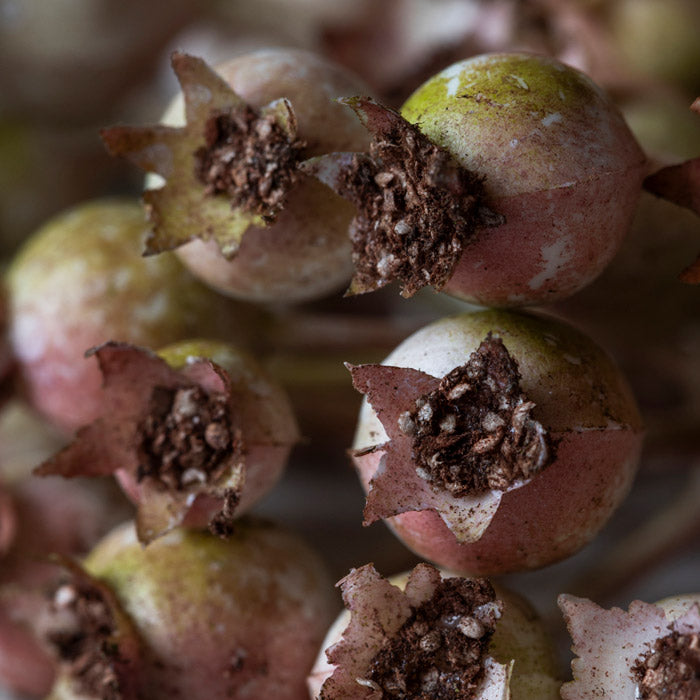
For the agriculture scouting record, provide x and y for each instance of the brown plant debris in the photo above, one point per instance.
(186, 437)
(474, 432)
(416, 207)
(670, 670)
(439, 652)
(82, 636)
(250, 158)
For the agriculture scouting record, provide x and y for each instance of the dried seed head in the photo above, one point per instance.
(441, 648)
(670, 669)
(474, 432)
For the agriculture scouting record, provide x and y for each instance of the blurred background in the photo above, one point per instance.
(71, 67)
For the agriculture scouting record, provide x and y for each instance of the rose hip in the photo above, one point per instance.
(508, 179)
(196, 434)
(196, 616)
(242, 216)
(494, 441)
(81, 281)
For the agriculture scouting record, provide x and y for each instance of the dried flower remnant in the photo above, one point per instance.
(671, 667)
(474, 433)
(251, 157)
(97, 649)
(457, 443)
(680, 184)
(429, 641)
(650, 652)
(172, 435)
(417, 208)
(226, 148)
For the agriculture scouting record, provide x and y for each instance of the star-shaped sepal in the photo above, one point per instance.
(170, 436)
(417, 208)
(456, 444)
(611, 646)
(379, 612)
(212, 191)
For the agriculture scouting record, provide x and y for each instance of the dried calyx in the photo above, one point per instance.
(82, 640)
(439, 651)
(249, 157)
(650, 652)
(474, 432)
(186, 437)
(670, 669)
(239, 162)
(428, 641)
(174, 432)
(417, 208)
(92, 639)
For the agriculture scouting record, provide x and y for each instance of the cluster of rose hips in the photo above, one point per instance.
(492, 441)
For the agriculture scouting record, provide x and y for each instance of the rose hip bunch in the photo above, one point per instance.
(490, 441)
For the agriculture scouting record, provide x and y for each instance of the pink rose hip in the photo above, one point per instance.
(494, 442)
(507, 179)
(192, 616)
(234, 204)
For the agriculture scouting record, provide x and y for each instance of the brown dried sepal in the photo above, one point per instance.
(396, 636)
(170, 435)
(680, 184)
(187, 437)
(439, 652)
(670, 669)
(250, 158)
(474, 432)
(417, 208)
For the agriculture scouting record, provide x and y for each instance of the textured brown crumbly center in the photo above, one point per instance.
(439, 652)
(250, 158)
(185, 438)
(474, 432)
(416, 211)
(670, 670)
(82, 638)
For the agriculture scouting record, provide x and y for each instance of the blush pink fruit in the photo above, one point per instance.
(582, 438)
(507, 180)
(272, 234)
(81, 281)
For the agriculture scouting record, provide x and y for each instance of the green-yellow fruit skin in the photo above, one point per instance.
(559, 163)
